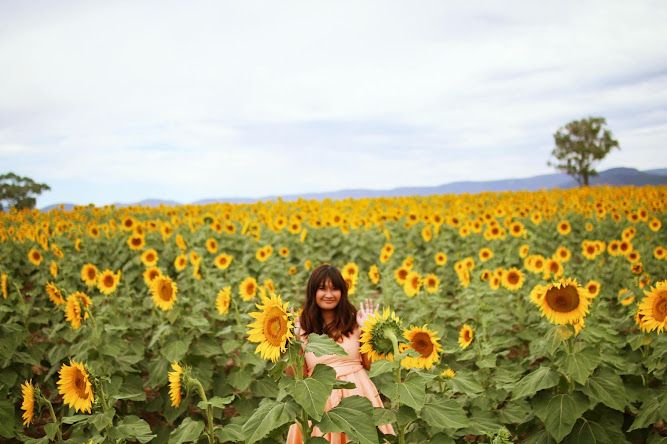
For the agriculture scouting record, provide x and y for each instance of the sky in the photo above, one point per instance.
(109, 101)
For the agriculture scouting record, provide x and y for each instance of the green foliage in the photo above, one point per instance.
(580, 145)
(18, 192)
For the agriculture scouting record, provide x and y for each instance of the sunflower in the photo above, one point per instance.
(427, 234)
(513, 279)
(164, 292)
(272, 328)
(211, 245)
(53, 269)
(248, 288)
(564, 228)
(592, 289)
(151, 274)
(388, 249)
(378, 335)
(552, 266)
(180, 242)
(136, 242)
(268, 283)
(426, 343)
(485, 254)
(537, 294)
(466, 336)
(633, 256)
(195, 258)
(401, 274)
(412, 285)
(128, 223)
(655, 225)
(659, 252)
(350, 269)
(108, 282)
(223, 300)
(89, 275)
(35, 257)
(384, 257)
(589, 250)
(374, 274)
(408, 262)
(562, 254)
(55, 295)
(431, 283)
(564, 302)
(653, 308)
(578, 325)
(180, 262)
(284, 251)
(149, 257)
(175, 384)
(440, 258)
(449, 373)
(262, 254)
(614, 248)
(302, 237)
(3, 285)
(28, 405)
(485, 275)
(74, 309)
(307, 264)
(75, 386)
(637, 268)
(350, 281)
(94, 231)
(516, 229)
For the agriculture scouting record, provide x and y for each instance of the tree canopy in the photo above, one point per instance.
(580, 145)
(17, 191)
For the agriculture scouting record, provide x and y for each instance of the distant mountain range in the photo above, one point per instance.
(614, 177)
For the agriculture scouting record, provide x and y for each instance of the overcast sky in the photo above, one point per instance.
(111, 101)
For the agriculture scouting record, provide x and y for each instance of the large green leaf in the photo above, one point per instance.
(6, 419)
(654, 438)
(579, 365)
(466, 382)
(382, 416)
(174, 351)
(354, 417)
(132, 428)
(515, 412)
(381, 366)
(542, 378)
(311, 393)
(648, 414)
(322, 345)
(588, 432)
(440, 412)
(102, 420)
(268, 416)
(606, 387)
(411, 392)
(188, 431)
(560, 412)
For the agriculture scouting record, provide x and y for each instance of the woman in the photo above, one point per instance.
(328, 311)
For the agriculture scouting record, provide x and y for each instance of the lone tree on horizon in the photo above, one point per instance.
(579, 145)
(16, 191)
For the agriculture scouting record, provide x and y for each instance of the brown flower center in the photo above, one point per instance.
(563, 300)
(422, 343)
(80, 385)
(92, 274)
(660, 306)
(513, 277)
(275, 326)
(166, 292)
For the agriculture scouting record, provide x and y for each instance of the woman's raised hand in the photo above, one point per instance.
(297, 324)
(365, 311)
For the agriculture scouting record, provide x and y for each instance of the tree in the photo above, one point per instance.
(579, 145)
(16, 191)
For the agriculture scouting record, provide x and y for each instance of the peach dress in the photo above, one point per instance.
(348, 368)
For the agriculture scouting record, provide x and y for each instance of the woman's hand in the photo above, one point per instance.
(297, 324)
(365, 311)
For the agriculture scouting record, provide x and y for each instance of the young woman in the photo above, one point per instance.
(327, 310)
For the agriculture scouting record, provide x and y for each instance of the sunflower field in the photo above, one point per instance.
(532, 317)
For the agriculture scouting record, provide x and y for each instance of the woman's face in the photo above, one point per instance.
(327, 297)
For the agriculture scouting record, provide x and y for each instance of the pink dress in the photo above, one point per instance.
(348, 368)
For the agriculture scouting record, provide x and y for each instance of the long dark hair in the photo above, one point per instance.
(345, 318)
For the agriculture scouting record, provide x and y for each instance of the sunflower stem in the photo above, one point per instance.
(209, 408)
(397, 376)
(304, 425)
(53, 416)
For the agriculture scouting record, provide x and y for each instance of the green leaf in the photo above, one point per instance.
(648, 414)
(217, 402)
(239, 379)
(514, 412)
(102, 420)
(341, 384)
(588, 432)
(411, 392)
(268, 416)
(559, 412)
(482, 422)
(312, 393)
(51, 430)
(381, 366)
(230, 433)
(466, 382)
(132, 427)
(188, 431)
(322, 345)
(440, 412)
(405, 415)
(606, 387)
(354, 417)
(579, 364)
(6, 419)
(382, 416)
(542, 378)
(74, 419)
(174, 351)
(229, 345)
(654, 438)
